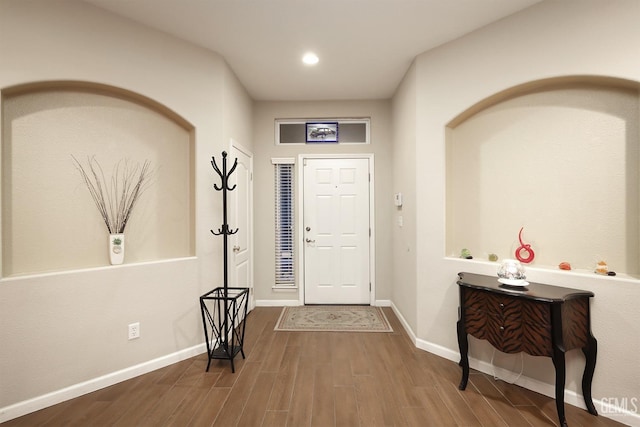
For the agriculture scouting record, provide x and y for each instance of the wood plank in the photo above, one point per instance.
(165, 407)
(346, 406)
(437, 411)
(232, 409)
(193, 401)
(481, 408)
(263, 341)
(340, 359)
(323, 406)
(359, 361)
(210, 407)
(369, 398)
(275, 352)
(143, 403)
(457, 405)
(302, 398)
(275, 419)
(256, 405)
(285, 380)
(497, 400)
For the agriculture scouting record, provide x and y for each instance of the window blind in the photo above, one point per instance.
(284, 227)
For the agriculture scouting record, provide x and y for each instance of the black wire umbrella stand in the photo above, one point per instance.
(224, 309)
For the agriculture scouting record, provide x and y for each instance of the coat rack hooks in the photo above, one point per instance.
(225, 231)
(224, 176)
(224, 187)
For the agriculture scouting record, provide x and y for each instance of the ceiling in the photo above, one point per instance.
(365, 46)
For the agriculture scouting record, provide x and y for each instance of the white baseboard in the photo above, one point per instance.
(404, 323)
(294, 303)
(40, 402)
(277, 303)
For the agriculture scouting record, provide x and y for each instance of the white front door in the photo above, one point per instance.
(336, 231)
(240, 214)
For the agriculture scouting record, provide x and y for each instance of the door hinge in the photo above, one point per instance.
(369, 231)
(369, 286)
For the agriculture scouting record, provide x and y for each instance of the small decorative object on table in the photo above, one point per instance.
(602, 268)
(511, 273)
(564, 266)
(493, 257)
(116, 248)
(466, 254)
(526, 248)
(115, 198)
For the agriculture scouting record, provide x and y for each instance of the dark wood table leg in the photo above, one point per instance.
(463, 344)
(559, 363)
(590, 352)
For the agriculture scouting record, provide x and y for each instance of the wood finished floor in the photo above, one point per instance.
(312, 379)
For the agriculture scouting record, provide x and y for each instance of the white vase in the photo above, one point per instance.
(116, 248)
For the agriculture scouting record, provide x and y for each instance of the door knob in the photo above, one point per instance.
(309, 240)
(236, 249)
(308, 228)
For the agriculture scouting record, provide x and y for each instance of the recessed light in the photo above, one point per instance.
(310, 58)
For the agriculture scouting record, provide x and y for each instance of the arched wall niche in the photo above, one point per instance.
(558, 157)
(49, 220)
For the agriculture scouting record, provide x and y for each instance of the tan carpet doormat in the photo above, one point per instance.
(333, 318)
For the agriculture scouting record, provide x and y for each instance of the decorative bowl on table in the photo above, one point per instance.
(511, 273)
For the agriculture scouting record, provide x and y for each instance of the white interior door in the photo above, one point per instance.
(240, 217)
(336, 231)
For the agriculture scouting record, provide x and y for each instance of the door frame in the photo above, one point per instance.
(234, 145)
(300, 221)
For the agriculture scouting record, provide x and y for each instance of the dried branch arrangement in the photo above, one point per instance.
(115, 198)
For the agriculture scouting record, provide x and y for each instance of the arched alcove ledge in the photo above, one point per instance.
(87, 272)
(543, 273)
(543, 84)
(99, 88)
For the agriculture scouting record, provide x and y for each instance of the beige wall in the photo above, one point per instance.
(238, 112)
(552, 39)
(265, 149)
(59, 330)
(404, 172)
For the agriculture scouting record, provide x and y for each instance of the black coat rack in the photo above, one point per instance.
(224, 309)
(224, 231)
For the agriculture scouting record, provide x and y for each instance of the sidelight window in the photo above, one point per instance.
(284, 222)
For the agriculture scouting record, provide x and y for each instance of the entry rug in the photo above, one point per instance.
(337, 318)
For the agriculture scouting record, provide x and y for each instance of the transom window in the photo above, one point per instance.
(340, 131)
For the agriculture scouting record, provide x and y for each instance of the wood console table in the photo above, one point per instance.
(540, 320)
